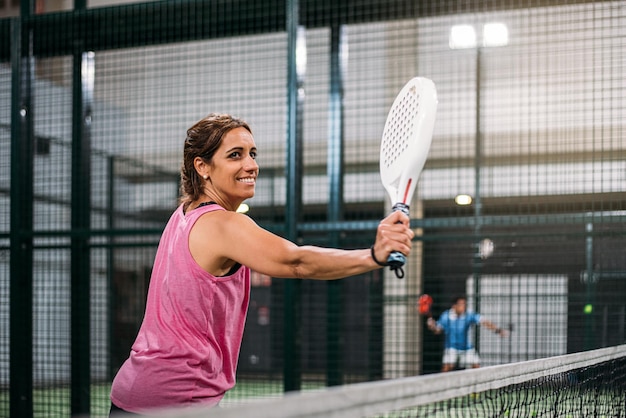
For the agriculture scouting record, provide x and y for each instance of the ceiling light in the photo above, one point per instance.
(495, 34)
(463, 200)
(462, 37)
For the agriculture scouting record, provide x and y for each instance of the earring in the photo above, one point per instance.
(205, 177)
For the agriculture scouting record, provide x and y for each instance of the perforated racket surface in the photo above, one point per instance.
(404, 147)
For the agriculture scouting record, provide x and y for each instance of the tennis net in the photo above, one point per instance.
(586, 384)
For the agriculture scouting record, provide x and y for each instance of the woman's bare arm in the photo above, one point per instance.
(221, 237)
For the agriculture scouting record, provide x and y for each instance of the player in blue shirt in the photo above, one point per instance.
(456, 323)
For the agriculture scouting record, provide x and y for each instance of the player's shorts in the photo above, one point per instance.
(464, 358)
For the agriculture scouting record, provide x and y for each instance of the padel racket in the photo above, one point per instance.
(424, 304)
(405, 144)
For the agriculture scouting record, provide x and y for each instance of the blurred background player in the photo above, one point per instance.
(456, 324)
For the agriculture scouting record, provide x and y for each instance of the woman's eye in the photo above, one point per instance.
(235, 154)
(253, 155)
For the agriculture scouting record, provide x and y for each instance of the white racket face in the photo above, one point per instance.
(407, 137)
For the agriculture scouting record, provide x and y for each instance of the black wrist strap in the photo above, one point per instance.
(374, 258)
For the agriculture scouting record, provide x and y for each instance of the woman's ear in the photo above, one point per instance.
(201, 167)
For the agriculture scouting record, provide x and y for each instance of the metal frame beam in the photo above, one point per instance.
(157, 23)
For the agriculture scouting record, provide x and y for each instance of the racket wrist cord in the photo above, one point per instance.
(396, 268)
(375, 259)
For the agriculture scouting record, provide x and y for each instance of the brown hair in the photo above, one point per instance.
(203, 139)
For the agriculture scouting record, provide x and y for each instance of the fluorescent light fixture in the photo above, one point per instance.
(463, 200)
(301, 53)
(495, 34)
(462, 37)
(88, 68)
(344, 51)
(485, 248)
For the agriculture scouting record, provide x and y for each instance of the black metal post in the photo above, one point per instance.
(295, 96)
(21, 234)
(590, 285)
(335, 168)
(82, 96)
(111, 262)
(478, 204)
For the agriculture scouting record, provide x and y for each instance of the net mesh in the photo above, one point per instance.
(587, 384)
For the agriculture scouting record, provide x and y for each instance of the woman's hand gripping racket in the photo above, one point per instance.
(405, 144)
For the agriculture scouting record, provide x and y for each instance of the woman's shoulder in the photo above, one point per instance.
(215, 216)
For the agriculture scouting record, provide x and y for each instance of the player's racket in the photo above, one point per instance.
(406, 140)
(424, 305)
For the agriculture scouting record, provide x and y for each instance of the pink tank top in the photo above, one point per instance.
(187, 348)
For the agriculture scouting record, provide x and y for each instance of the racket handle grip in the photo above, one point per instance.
(401, 207)
(396, 259)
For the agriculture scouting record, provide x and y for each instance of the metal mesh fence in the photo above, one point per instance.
(94, 106)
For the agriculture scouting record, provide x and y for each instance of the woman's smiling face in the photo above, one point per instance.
(233, 170)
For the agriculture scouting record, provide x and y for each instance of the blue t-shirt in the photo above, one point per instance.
(457, 328)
